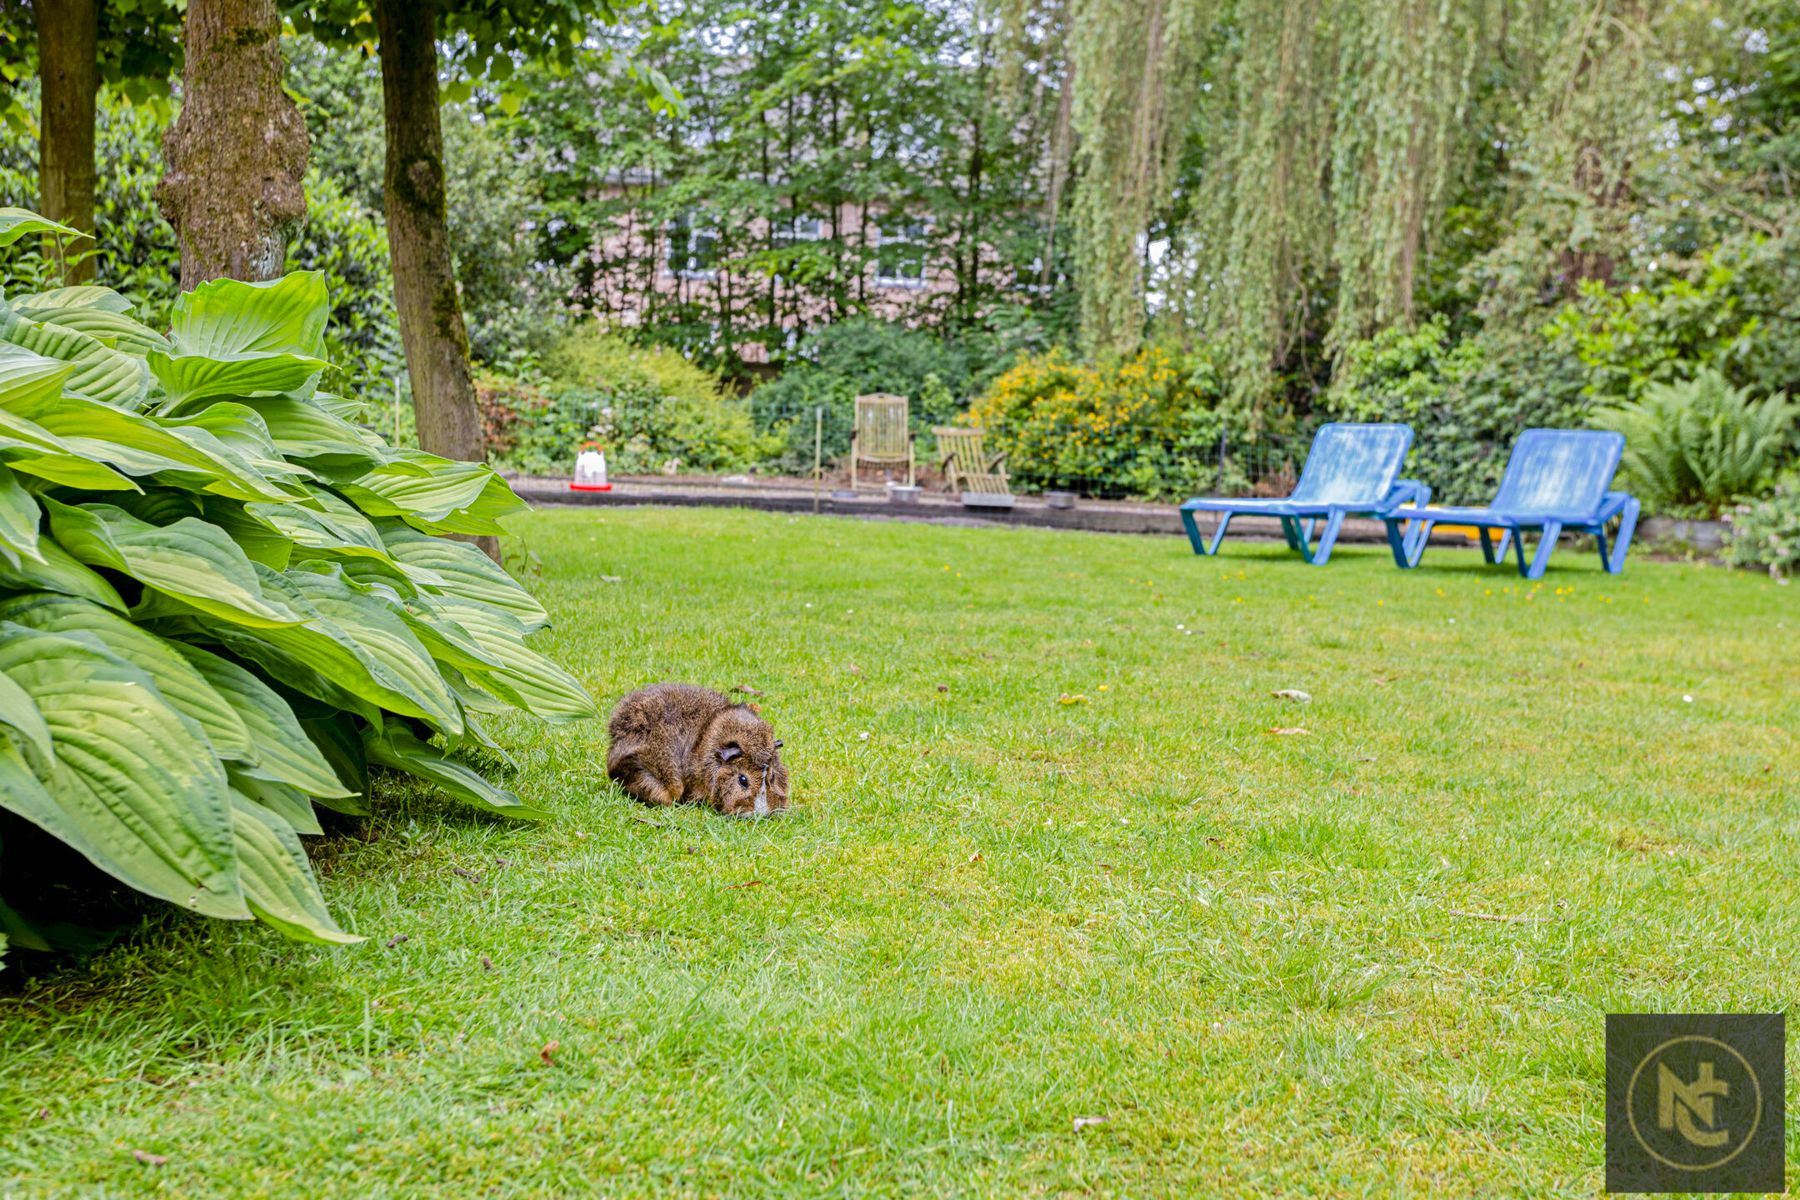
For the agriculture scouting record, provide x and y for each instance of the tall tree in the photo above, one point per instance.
(237, 155)
(133, 45)
(490, 36)
(67, 31)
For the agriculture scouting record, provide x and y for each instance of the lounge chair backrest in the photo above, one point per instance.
(881, 428)
(964, 447)
(1559, 472)
(1353, 465)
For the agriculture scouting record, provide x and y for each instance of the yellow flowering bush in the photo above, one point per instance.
(1144, 425)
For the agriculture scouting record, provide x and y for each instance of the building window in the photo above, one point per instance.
(799, 229)
(900, 254)
(693, 248)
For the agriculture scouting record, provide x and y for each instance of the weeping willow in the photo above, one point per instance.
(1324, 139)
(1136, 66)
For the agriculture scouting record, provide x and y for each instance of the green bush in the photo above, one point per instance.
(1148, 425)
(851, 358)
(137, 251)
(1466, 399)
(650, 408)
(222, 601)
(1696, 447)
(1766, 532)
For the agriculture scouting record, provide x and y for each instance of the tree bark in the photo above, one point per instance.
(431, 319)
(425, 295)
(236, 157)
(68, 64)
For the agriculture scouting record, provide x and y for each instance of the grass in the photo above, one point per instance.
(1371, 958)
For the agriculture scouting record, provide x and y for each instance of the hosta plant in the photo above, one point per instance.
(222, 600)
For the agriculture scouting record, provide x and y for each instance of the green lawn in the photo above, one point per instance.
(1371, 958)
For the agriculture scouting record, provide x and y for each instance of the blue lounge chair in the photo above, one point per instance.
(1351, 469)
(1556, 482)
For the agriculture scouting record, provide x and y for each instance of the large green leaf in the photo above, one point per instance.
(113, 329)
(517, 673)
(139, 445)
(281, 750)
(28, 380)
(101, 372)
(460, 569)
(278, 881)
(56, 571)
(19, 517)
(285, 801)
(136, 789)
(19, 714)
(435, 494)
(393, 745)
(231, 338)
(87, 296)
(190, 560)
(15, 223)
(185, 688)
(305, 429)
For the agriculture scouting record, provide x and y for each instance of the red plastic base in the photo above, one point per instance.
(590, 487)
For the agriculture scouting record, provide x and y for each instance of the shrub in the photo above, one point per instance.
(222, 601)
(651, 409)
(1466, 399)
(138, 252)
(1148, 425)
(1694, 448)
(1766, 532)
(851, 358)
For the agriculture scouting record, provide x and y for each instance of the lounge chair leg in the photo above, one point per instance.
(1546, 544)
(1200, 544)
(1407, 540)
(1615, 562)
(1487, 547)
(1327, 539)
(1290, 529)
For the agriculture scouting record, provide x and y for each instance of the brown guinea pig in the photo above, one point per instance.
(674, 742)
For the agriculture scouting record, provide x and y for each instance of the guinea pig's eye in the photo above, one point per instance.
(743, 781)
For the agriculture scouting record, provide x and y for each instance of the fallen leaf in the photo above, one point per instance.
(487, 964)
(149, 1159)
(1076, 698)
(465, 874)
(1286, 730)
(1082, 1123)
(975, 858)
(547, 1053)
(396, 940)
(1293, 694)
(746, 689)
(854, 669)
(943, 687)
(748, 883)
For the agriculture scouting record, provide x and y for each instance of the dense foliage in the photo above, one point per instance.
(1148, 424)
(224, 601)
(649, 408)
(1766, 532)
(1695, 447)
(840, 362)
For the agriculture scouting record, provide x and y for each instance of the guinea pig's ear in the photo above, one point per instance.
(729, 753)
(778, 743)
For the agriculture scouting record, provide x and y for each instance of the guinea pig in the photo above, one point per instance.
(673, 742)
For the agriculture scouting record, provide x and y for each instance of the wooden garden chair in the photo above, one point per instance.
(883, 434)
(968, 469)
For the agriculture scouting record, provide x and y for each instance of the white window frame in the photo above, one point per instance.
(905, 233)
(694, 231)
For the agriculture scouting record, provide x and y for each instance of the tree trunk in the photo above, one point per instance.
(70, 69)
(425, 296)
(236, 156)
